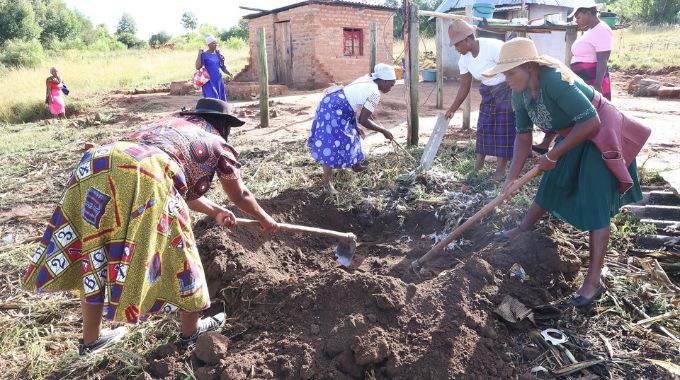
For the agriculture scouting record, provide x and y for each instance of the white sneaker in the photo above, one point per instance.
(106, 338)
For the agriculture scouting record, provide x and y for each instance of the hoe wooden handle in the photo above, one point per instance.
(345, 236)
(479, 215)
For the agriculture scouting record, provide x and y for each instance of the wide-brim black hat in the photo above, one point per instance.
(216, 107)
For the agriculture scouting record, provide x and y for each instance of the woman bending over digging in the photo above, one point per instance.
(121, 235)
(335, 139)
(591, 171)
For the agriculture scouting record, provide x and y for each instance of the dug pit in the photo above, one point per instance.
(293, 313)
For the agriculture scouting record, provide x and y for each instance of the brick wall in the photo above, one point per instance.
(317, 44)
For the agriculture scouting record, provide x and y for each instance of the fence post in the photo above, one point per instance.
(264, 78)
(413, 74)
(374, 47)
(439, 42)
(467, 105)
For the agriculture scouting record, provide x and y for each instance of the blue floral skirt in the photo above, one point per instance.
(335, 140)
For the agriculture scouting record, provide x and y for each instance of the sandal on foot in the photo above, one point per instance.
(106, 338)
(205, 325)
(581, 302)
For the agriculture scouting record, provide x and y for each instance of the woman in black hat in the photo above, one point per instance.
(121, 235)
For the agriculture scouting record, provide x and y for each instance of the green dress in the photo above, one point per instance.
(580, 189)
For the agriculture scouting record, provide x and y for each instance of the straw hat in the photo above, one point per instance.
(517, 52)
(459, 30)
(579, 4)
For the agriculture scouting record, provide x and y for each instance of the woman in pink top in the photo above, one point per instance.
(590, 54)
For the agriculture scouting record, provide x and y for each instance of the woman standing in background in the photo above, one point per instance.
(54, 97)
(213, 61)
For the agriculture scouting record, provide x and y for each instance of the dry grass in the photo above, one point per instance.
(90, 73)
(646, 48)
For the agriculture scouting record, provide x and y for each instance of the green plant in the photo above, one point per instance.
(160, 38)
(18, 53)
(235, 43)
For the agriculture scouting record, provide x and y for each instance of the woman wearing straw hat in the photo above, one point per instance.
(590, 54)
(335, 140)
(591, 172)
(496, 122)
(213, 61)
(121, 235)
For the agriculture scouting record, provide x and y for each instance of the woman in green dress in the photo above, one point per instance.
(591, 172)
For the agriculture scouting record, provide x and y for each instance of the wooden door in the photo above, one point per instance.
(284, 53)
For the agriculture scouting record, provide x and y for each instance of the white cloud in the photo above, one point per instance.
(153, 16)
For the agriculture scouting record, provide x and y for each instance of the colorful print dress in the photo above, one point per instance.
(121, 234)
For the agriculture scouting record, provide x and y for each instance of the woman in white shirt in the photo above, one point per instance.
(496, 122)
(335, 139)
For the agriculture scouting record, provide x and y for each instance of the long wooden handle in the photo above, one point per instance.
(303, 229)
(480, 214)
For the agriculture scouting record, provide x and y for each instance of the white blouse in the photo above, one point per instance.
(363, 93)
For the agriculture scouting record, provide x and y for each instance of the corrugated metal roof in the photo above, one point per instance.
(447, 5)
(369, 4)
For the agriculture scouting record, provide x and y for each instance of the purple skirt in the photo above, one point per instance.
(496, 124)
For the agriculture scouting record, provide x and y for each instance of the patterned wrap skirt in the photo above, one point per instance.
(496, 124)
(588, 71)
(121, 236)
(334, 140)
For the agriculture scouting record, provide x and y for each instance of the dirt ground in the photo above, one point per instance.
(293, 313)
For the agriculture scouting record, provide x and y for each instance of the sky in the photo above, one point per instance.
(153, 16)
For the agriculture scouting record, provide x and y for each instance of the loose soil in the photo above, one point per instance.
(295, 314)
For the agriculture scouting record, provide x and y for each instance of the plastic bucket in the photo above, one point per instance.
(610, 20)
(430, 75)
(483, 10)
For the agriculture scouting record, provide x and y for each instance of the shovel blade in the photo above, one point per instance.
(344, 255)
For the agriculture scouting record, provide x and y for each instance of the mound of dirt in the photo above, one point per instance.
(294, 314)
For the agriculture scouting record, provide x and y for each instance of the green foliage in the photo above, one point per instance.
(160, 38)
(18, 53)
(205, 29)
(61, 23)
(649, 11)
(126, 25)
(240, 30)
(190, 41)
(235, 43)
(17, 20)
(189, 21)
(427, 28)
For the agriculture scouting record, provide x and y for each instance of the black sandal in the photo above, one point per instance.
(539, 150)
(580, 302)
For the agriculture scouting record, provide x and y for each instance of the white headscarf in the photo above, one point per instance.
(209, 38)
(384, 71)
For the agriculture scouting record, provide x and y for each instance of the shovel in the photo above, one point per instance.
(344, 252)
(417, 264)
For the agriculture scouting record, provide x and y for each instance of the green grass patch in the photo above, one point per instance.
(646, 48)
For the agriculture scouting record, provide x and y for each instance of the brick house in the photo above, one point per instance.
(314, 43)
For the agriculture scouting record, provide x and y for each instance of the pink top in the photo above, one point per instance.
(593, 41)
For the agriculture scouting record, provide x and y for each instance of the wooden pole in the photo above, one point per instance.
(439, 42)
(572, 32)
(413, 70)
(374, 46)
(264, 78)
(467, 105)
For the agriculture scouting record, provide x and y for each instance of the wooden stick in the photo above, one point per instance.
(344, 236)
(452, 16)
(439, 43)
(374, 47)
(567, 370)
(467, 104)
(607, 345)
(649, 321)
(644, 315)
(478, 216)
(413, 70)
(404, 150)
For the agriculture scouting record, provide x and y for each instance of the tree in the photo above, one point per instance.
(189, 21)
(426, 28)
(61, 24)
(126, 25)
(17, 21)
(159, 39)
(239, 30)
(205, 29)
